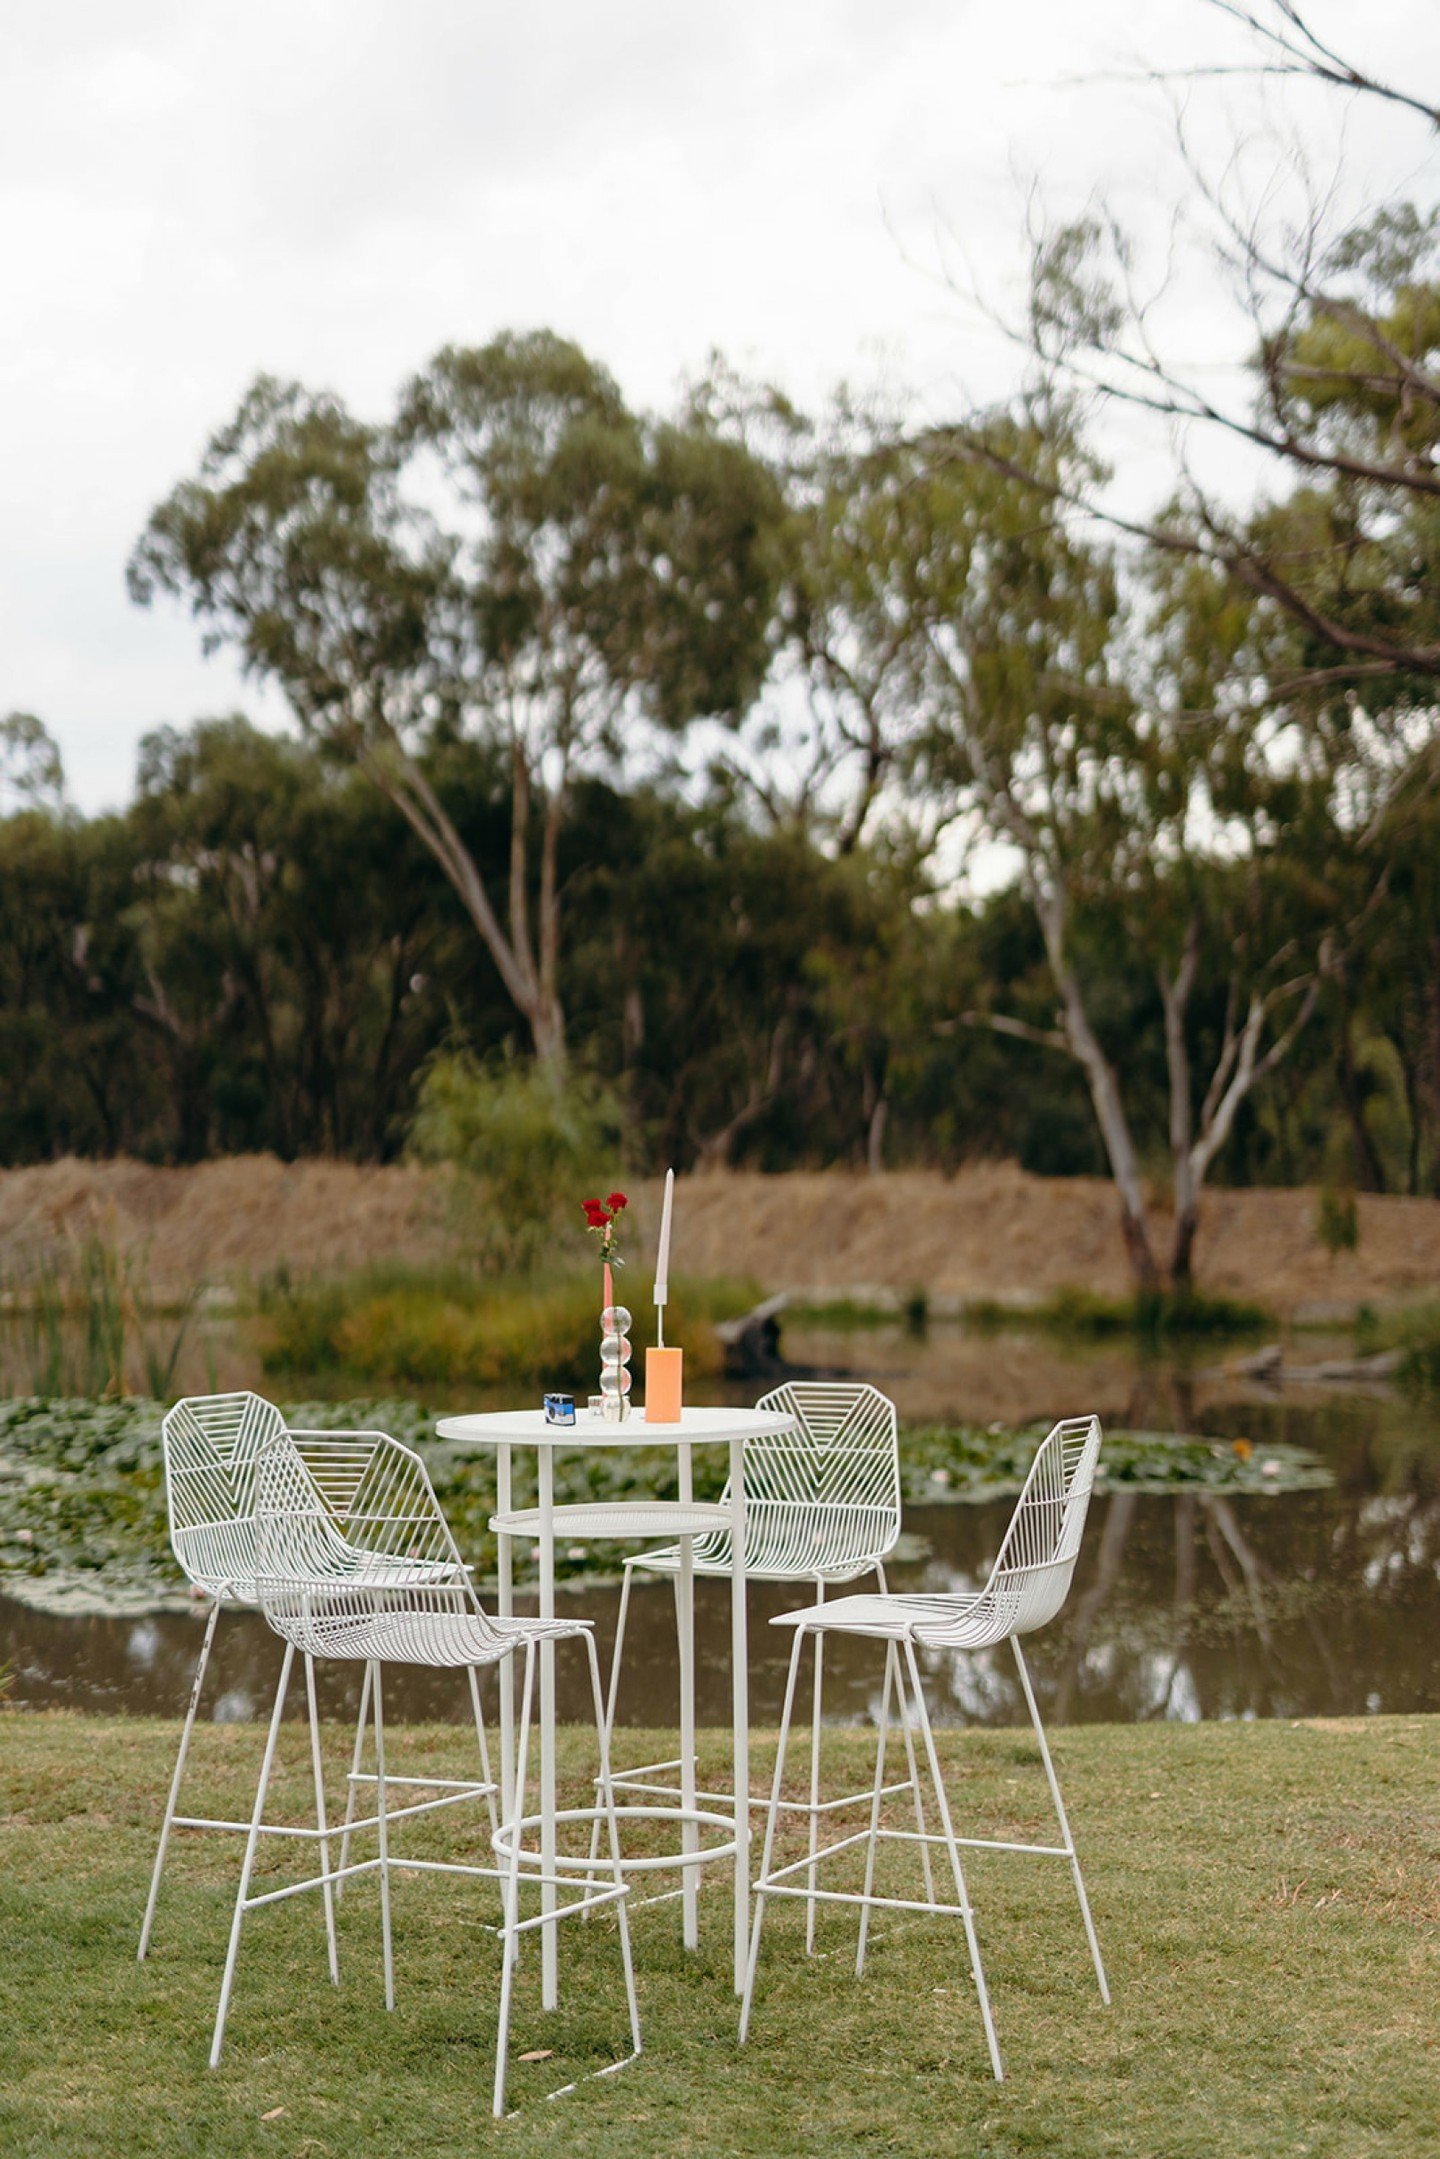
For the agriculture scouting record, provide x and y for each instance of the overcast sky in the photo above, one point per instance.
(332, 189)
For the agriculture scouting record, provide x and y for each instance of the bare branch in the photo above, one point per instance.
(1001, 1023)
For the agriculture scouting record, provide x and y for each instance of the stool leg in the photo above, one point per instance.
(383, 1826)
(770, 1820)
(354, 1773)
(509, 1940)
(251, 1842)
(318, 1773)
(607, 1795)
(962, 1894)
(484, 1746)
(613, 1692)
(910, 1764)
(890, 1678)
(1062, 1818)
(815, 1780)
(174, 1798)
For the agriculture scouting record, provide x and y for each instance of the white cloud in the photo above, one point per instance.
(334, 188)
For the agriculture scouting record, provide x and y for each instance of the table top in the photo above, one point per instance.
(527, 1428)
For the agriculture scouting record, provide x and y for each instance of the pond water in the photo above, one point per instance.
(1312, 1603)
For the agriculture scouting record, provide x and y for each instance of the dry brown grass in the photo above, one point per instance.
(990, 1232)
(221, 1221)
(994, 1231)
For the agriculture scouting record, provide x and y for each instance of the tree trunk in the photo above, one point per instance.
(405, 784)
(1182, 1249)
(1084, 1045)
(875, 1136)
(1119, 1146)
(547, 1032)
(1369, 1170)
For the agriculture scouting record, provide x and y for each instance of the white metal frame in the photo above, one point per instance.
(1026, 1588)
(332, 1511)
(210, 1445)
(822, 1505)
(736, 1429)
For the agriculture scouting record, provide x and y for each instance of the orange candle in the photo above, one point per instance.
(662, 1385)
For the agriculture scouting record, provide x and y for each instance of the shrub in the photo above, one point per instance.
(527, 1147)
(446, 1332)
(1337, 1221)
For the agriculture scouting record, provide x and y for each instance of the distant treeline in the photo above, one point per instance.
(259, 953)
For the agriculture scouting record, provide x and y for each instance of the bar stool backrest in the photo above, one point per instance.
(823, 1500)
(350, 1539)
(210, 1444)
(1030, 1579)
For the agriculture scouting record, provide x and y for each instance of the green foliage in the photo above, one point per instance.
(447, 1332)
(82, 1501)
(84, 1328)
(1085, 1312)
(947, 1463)
(1337, 1221)
(487, 604)
(527, 1142)
(30, 762)
(516, 561)
(1415, 1333)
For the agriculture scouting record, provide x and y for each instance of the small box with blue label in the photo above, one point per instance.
(559, 1409)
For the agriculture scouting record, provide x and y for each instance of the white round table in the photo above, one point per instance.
(505, 1430)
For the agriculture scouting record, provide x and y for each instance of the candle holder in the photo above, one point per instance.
(615, 1362)
(663, 1370)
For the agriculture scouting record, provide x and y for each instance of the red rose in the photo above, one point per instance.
(595, 1214)
(617, 1200)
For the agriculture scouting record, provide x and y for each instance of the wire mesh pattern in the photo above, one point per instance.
(356, 1559)
(1030, 1578)
(210, 1444)
(1026, 1587)
(822, 1502)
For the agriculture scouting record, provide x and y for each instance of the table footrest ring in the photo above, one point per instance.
(503, 1840)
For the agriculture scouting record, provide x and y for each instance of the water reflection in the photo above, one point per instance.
(1319, 1603)
(1189, 1606)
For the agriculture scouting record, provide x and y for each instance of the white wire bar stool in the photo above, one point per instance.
(1027, 1586)
(331, 1512)
(822, 1505)
(210, 1444)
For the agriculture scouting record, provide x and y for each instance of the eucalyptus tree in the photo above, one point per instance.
(287, 931)
(516, 558)
(1334, 397)
(1140, 823)
(31, 768)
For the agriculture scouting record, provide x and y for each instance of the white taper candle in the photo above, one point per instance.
(662, 1262)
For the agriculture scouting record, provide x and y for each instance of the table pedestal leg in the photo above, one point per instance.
(740, 1679)
(549, 1986)
(505, 1601)
(685, 1630)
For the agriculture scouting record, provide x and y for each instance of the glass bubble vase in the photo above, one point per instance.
(615, 1362)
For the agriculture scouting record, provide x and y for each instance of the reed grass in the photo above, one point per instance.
(85, 1326)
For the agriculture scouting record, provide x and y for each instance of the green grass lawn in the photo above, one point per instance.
(1268, 1898)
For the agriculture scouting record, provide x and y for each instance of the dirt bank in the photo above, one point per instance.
(991, 1231)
